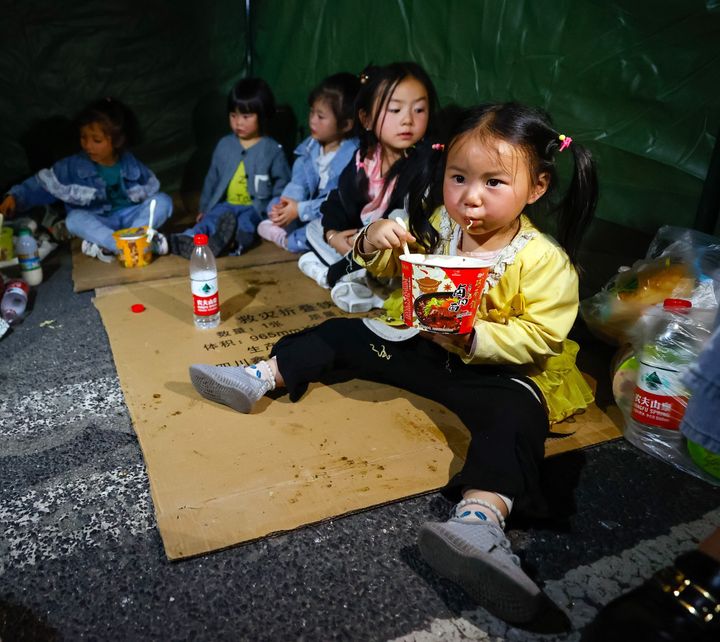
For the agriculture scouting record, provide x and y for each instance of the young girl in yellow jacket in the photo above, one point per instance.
(510, 377)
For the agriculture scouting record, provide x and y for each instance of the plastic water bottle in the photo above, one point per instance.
(204, 284)
(26, 249)
(660, 395)
(14, 301)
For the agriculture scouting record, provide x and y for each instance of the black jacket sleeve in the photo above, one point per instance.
(341, 210)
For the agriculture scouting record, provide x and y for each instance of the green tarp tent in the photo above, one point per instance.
(637, 81)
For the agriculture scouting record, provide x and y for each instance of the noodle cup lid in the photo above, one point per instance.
(131, 233)
(445, 261)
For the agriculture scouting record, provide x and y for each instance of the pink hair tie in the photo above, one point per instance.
(564, 142)
(438, 147)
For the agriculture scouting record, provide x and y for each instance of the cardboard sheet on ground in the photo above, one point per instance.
(219, 478)
(90, 273)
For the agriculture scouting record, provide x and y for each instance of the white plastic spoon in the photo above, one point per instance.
(150, 230)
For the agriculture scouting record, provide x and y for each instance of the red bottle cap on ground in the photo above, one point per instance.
(200, 239)
(676, 304)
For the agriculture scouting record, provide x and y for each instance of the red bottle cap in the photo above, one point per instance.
(676, 304)
(200, 239)
(137, 308)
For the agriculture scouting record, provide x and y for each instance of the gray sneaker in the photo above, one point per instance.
(231, 386)
(478, 558)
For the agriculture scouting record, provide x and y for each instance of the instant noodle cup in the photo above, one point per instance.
(442, 293)
(134, 247)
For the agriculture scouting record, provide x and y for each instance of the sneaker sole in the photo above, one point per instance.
(220, 389)
(488, 584)
(345, 296)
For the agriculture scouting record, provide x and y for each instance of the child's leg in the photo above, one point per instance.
(247, 222)
(219, 226)
(505, 452)
(297, 240)
(316, 241)
(139, 214)
(93, 228)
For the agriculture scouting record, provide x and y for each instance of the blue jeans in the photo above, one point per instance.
(701, 422)
(247, 222)
(297, 238)
(99, 228)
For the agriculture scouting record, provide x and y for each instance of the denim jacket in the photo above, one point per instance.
(76, 182)
(304, 184)
(265, 165)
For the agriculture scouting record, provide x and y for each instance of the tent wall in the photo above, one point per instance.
(635, 80)
(171, 62)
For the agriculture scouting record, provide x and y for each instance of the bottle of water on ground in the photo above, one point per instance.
(204, 284)
(661, 396)
(14, 301)
(26, 248)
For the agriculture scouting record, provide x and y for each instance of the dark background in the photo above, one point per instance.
(635, 80)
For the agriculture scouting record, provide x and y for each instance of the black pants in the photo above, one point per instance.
(507, 424)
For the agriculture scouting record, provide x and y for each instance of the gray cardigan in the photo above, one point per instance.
(265, 165)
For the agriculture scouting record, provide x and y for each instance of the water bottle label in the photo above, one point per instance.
(206, 301)
(28, 263)
(660, 396)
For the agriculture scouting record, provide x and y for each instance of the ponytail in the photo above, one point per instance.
(577, 208)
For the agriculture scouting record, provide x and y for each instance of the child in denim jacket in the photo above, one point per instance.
(104, 188)
(247, 170)
(319, 160)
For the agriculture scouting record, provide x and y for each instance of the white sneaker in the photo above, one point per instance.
(310, 265)
(95, 251)
(354, 297)
(357, 276)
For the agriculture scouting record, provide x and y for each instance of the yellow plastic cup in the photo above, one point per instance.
(134, 247)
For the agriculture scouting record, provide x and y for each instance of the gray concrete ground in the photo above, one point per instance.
(81, 559)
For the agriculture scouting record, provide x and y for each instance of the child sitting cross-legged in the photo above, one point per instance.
(247, 170)
(104, 188)
(319, 160)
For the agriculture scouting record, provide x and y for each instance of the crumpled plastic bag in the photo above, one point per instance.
(680, 263)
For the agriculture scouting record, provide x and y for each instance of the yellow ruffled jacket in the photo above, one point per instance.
(529, 304)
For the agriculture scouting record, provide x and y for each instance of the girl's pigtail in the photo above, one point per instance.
(577, 208)
(425, 192)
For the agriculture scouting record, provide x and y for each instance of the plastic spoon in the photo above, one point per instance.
(150, 230)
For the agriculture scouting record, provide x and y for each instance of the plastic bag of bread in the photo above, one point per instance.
(680, 263)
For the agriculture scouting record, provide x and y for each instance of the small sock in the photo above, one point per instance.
(261, 370)
(476, 511)
(508, 501)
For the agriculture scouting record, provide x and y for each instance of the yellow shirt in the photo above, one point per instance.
(529, 305)
(237, 191)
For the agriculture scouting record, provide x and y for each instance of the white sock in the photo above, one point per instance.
(477, 511)
(262, 370)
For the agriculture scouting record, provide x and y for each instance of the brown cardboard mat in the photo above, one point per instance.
(219, 478)
(90, 273)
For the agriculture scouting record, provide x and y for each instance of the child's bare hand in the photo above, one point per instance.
(341, 241)
(7, 207)
(286, 212)
(384, 235)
